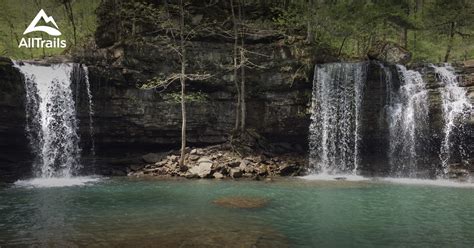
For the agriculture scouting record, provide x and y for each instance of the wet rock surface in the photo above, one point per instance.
(15, 155)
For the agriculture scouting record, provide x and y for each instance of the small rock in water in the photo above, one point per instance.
(241, 202)
(340, 178)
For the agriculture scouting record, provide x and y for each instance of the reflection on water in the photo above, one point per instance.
(181, 213)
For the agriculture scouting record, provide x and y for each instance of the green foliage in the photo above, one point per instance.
(351, 27)
(346, 28)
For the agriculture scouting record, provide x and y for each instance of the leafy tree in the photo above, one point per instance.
(451, 18)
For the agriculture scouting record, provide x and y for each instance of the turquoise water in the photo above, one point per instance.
(300, 213)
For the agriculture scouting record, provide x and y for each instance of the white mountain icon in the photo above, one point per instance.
(50, 30)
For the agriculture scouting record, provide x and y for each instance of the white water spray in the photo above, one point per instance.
(335, 119)
(91, 108)
(456, 108)
(407, 118)
(51, 119)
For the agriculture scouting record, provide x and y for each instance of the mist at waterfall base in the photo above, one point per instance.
(52, 124)
(337, 120)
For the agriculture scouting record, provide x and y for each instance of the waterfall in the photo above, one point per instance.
(407, 117)
(399, 121)
(90, 108)
(335, 120)
(456, 109)
(51, 123)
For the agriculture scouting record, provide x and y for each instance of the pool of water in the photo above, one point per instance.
(181, 213)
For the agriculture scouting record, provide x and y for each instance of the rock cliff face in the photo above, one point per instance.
(128, 119)
(277, 100)
(278, 82)
(14, 151)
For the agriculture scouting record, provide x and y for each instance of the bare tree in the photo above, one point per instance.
(183, 83)
(241, 62)
(236, 66)
(242, 69)
(174, 37)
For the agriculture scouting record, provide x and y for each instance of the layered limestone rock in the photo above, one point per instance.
(14, 151)
(128, 113)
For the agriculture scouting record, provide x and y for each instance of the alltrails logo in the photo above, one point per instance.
(40, 42)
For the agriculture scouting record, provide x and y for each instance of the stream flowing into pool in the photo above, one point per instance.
(181, 213)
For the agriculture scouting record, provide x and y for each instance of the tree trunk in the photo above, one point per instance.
(183, 85)
(404, 37)
(70, 14)
(242, 71)
(415, 33)
(242, 93)
(309, 30)
(236, 43)
(450, 41)
(404, 33)
(342, 45)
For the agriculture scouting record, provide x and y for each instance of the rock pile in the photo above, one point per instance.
(220, 162)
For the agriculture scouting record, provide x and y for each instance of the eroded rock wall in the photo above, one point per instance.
(15, 157)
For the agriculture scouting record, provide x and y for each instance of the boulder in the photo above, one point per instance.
(204, 159)
(196, 151)
(389, 52)
(218, 175)
(193, 157)
(202, 170)
(152, 158)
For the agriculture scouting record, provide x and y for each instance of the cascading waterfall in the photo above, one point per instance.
(91, 108)
(456, 108)
(407, 118)
(81, 78)
(335, 119)
(404, 105)
(51, 119)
